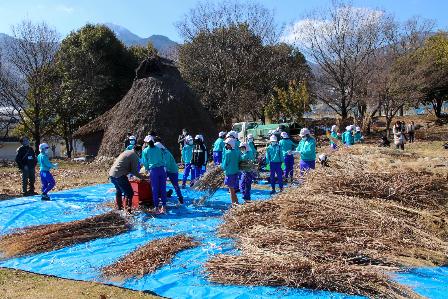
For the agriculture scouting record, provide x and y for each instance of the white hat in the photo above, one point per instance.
(358, 129)
(304, 132)
(334, 128)
(273, 138)
(159, 145)
(43, 146)
(188, 138)
(222, 134)
(231, 142)
(348, 128)
(322, 157)
(250, 136)
(132, 137)
(284, 135)
(148, 138)
(199, 137)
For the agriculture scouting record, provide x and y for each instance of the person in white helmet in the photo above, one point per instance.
(307, 151)
(45, 165)
(288, 147)
(218, 148)
(246, 176)
(334, 136)
(199, 159)
(187, 156)
(357, 137)
(251, 143)
(132, 141)
(274, 158)
(347, 136)
(230, 165)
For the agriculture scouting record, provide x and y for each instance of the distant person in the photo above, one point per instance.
(357, 137)
(199, 159)
(132, 141)
(399, 138)
(45, 165)
(127, 140)
(53, 150)
(288, 146)
(181, 140)
(245, 182)
(172, 170)
(347, 137)
(218, 148)
(307, 151)
(126, 163)
(384, 141)
(251, 144)
(411, 132)
(26, 161)
(187, 156)
(230, 165)
(274, 158)
(334, 136)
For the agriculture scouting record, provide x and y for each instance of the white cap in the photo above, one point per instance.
(199, 137)
(304, 132)
(43, 146)
(132, 138)
(148, 138)
(348, 128)
(231, 142)
(273, 138)
(188, 138)
(358, 129)
(284, 135)
(322, 157)
(250, 136)
(159, 145)
(334, 128)
(222, 134)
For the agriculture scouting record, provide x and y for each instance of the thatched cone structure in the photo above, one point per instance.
(160, 101)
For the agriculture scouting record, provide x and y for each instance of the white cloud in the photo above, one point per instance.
(65, 8)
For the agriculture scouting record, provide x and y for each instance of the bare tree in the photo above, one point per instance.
(23, 86)
(342, 42)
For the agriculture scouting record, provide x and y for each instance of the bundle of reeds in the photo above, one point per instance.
(344, 230)
(209, 183)
(148, 258)
(44, 238)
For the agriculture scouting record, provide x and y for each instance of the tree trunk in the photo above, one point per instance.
(401, 111)
(437, 105)
(388, 122)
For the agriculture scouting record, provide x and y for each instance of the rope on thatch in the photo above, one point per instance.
(148, 258)
(44, 238)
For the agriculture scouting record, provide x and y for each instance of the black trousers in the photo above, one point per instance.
(28, 178)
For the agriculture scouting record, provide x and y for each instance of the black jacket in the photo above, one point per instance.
(199, 154)
(26, 157)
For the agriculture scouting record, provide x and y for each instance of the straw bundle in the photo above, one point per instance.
(209, 183)
(346, 229)
(148, 258)
(44, 238)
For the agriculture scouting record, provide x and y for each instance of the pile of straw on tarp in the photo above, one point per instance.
(343, 230)
(44, 238)
(148, 258)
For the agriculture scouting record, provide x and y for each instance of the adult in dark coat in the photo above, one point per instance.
(26, 161)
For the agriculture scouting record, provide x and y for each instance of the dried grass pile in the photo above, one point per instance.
(44, 238)
(148, 258)
(345, 230)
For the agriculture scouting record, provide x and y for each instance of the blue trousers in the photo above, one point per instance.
(217, 158)
(306, 165)
(187, 171)
(158, 185)
(122, 186)
(276, 171)
(48, 182)
(289, 166)
(246, 184)
(174, 179)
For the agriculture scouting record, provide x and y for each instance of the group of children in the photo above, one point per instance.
(351, 136)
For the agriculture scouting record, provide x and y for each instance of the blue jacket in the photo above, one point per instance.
(218, 146)
(347, 138)
(357, 137)
(307, 149)
(169, 161)
(335, 136)
(44, 162)
(274, 154)
(187, 153)
(152, 157)
(230, 162)
(287, 145)
(247, 156)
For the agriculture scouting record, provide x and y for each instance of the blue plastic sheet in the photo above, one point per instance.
(184, 277)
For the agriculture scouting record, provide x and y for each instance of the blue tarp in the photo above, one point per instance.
(184, 277)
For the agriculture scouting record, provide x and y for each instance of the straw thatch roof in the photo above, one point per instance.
(159, 100)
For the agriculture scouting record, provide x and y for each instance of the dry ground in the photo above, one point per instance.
(25, 285)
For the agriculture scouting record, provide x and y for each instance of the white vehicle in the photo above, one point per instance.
(243, 127)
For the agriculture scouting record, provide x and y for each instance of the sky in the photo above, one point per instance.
(147, 17)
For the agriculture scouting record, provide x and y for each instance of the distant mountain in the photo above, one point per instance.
(162, 43)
